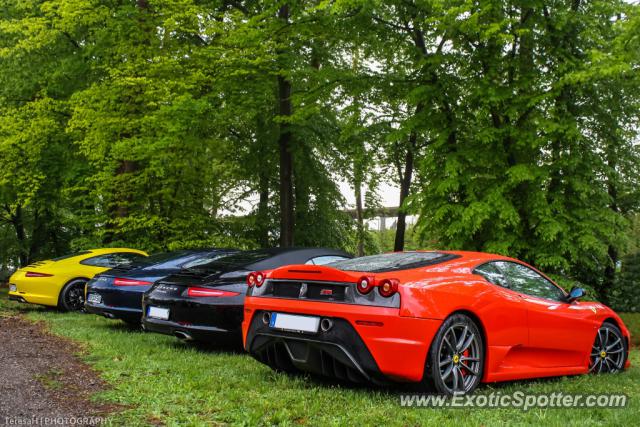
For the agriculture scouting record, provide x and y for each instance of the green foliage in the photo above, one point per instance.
(384, 240)
(40, 69)
(532, 155)
(157, 124)
(625, 295)
(568, 283)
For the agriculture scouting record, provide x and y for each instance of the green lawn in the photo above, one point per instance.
(632, 320)
(158, 378)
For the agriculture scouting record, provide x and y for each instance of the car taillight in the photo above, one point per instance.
(34, 274)
(130, 282)
(256, 278)
(388, 287)
(204, 292)
(251, 279)
(365, 284)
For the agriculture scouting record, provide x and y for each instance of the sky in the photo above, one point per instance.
(388, 193)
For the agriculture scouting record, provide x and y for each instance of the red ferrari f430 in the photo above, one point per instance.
(441, 318)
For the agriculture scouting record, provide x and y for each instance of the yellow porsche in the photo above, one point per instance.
(59, 282)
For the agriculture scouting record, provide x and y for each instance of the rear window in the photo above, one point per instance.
(201, 259)
(237, 259)
(112, 260)
(162, 257)
(392, 261)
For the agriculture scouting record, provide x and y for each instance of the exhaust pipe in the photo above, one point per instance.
(109, 315)
(266, 317)
(183, 336)
(326, 324)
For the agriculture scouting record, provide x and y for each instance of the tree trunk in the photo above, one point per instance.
(359, 218)
(18, 225)
(405, 180)
(286, 157)
(612, 190)
(123, 196)
(358, 167)
(263, 210)
(126, 167)
(405, 187)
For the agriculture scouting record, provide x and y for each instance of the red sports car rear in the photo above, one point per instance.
(451, 319)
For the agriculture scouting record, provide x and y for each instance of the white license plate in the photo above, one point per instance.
(94, 298)
(292, 322)
(13, 288)
(158, 313)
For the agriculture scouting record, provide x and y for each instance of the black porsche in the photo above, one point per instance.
(117, 293)
(205, 303)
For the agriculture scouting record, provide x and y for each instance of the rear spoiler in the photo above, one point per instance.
(313, 272)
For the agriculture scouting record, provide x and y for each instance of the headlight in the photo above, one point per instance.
(13, 288)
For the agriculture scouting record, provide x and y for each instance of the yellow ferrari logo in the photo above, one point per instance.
(595, 310)
(456, 358)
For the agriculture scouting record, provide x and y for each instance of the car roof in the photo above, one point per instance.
(297, 255)
(269, 258)
(101, 251)
(461, 261)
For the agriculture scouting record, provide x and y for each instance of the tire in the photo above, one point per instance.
(72, 296)
(456, 358)
(609, 351)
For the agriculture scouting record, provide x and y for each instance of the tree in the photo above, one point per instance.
(42, 66)
(525, 176)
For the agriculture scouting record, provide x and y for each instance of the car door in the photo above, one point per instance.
(560, 333)
(507, 313)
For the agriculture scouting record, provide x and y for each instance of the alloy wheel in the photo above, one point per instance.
(608, 352)
(74, 297)
(459, 358)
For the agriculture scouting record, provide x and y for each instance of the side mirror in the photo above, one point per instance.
(576, 294)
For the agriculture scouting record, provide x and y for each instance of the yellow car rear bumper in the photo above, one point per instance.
(44, 293)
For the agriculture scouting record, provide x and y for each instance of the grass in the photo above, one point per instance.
(158, 379)
(632, 321)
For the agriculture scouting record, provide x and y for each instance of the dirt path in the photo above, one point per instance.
(41, 377)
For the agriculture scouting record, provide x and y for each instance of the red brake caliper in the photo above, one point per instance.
(463, 370)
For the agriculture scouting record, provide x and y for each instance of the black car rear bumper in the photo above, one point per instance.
(129, 315)
(202, 319)
(191, 332)
(338, 353)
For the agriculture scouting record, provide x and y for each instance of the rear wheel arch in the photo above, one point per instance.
(478, 323)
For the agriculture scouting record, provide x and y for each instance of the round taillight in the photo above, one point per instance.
(365, 284)
(388, 287)
(256, 278)
(251, 279)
